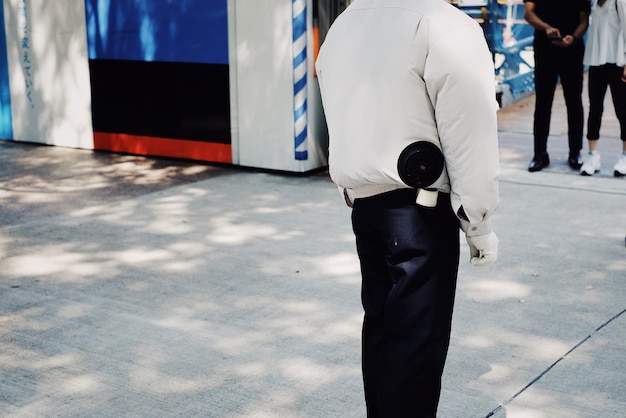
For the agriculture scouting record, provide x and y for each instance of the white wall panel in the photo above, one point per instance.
(262, 76)
(49, 72)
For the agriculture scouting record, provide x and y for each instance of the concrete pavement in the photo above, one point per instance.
(142, 287)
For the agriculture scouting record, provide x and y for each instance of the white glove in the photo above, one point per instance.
(483, 249)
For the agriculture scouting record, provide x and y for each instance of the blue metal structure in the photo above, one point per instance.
(6, 126)
(510, 39)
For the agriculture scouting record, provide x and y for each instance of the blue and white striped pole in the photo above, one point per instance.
(300, 64)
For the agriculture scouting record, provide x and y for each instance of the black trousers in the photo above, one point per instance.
(600, 78)
(409, 258)
(551, 64)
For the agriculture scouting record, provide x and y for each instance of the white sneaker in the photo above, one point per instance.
(620, 167)
(591, 164)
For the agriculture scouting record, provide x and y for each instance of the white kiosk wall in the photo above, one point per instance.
(49, 72)
(273, 124)
(262, 87)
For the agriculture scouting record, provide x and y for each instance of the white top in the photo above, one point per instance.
(607, 29)
(393, 72)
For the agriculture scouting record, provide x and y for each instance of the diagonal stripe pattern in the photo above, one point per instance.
(300, 79)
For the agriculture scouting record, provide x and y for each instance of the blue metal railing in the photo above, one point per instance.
(510, 39)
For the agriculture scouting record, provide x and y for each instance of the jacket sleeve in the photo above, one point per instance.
(621, 40)
(459, 75)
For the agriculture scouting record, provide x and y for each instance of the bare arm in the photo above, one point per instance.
(534, 21)
(583, 24)
(552, 32)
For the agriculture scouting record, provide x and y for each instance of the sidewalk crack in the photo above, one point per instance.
(547, 370)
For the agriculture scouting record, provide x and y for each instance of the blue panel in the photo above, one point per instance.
(158, 30)
(6, 124)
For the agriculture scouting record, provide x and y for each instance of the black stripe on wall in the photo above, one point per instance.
(161, 99)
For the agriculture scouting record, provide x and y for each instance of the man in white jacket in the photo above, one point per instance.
(394, 73)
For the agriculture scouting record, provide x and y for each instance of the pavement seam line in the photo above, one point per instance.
(547, 370)
(559, 187)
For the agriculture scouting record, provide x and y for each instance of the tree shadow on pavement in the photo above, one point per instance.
(238, 296)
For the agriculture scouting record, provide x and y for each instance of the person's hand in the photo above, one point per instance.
(483, 249)
(568, 40)
(554, 35)
(624, 74)
(553, 32)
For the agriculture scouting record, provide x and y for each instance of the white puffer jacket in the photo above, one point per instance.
(393, 72)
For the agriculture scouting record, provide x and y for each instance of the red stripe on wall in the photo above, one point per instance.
(163, 147)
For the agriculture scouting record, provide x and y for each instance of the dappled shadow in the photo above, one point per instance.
(49, 74)
(239, 297)
(214, 293)
(38, 181)
(182, 31)
(559, 276)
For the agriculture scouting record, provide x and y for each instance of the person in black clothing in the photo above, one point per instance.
(559, 49)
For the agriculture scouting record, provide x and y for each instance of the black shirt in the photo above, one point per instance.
(561, 14)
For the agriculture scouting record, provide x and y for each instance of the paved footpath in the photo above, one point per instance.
(137, 287)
